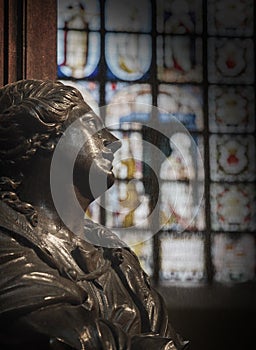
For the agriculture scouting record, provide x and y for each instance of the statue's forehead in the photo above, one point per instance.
(80, 116)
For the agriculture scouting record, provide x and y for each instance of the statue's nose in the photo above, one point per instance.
(111, 141)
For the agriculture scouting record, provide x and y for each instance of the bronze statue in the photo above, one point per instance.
(60, 290)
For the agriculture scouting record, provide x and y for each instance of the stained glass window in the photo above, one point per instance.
(186, 262)
(239, 20)
(232, 157)
(179, 59)
(231, 60)
(175, 82)
(234, 257)
(231, 109)
(179, 17)
(128, 55)
(233, 207)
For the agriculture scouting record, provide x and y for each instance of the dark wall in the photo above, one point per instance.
(214, 318)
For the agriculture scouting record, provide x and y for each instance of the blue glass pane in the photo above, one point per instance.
(128, 15)
(230, 17)
(231, 60)
(128, 56)
(179, 59)
(179, 16)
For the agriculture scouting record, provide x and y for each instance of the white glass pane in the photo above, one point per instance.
(179, 59)
(128, 56)
(179, 16)
(232, 158)
(231, 60)
(84, 11)
(127, 205)
(79, 53)
(181, 206)
(231, 109)
(184, 162)
(230, 17)
(182, 259)
(128, 15)
(93, 211)
(182, 102)
(128, 159)
(234, 258)
(128, 106)
(142, 245)
(233, 207)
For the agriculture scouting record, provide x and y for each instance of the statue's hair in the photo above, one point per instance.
(32, 113)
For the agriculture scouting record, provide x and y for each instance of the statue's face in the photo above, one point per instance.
(93, 166)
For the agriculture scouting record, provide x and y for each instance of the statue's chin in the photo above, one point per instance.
(100, 183)
(110, 180)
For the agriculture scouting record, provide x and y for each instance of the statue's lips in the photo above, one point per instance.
(108, 155)
(104, 161)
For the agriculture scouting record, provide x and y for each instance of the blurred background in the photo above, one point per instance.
(194, 60)
(178, 75)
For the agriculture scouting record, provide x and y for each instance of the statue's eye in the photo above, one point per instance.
(91, 124)
(88, 122)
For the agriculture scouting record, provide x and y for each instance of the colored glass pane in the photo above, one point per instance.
(127, 205)
(141, 243)
(78, 53)
(234, 258)
(128, 56)
(230, 17)
(128, 106)
(183, 103)
(93, 211)
(231, 60)
(231, 109)
(88, 11)
(233, 207)
(128, 36)
(184, 162)
(128, 15)
(181, 206)
(128, 159)
(182, 258)
(179, 59)
(179, 16)
(78, 48)
(232, 158)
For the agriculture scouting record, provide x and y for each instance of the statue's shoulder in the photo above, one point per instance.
(100, 235)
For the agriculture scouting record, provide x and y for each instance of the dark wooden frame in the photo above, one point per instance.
(28, 43)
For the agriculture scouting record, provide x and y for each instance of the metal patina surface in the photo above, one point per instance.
(64, 288)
